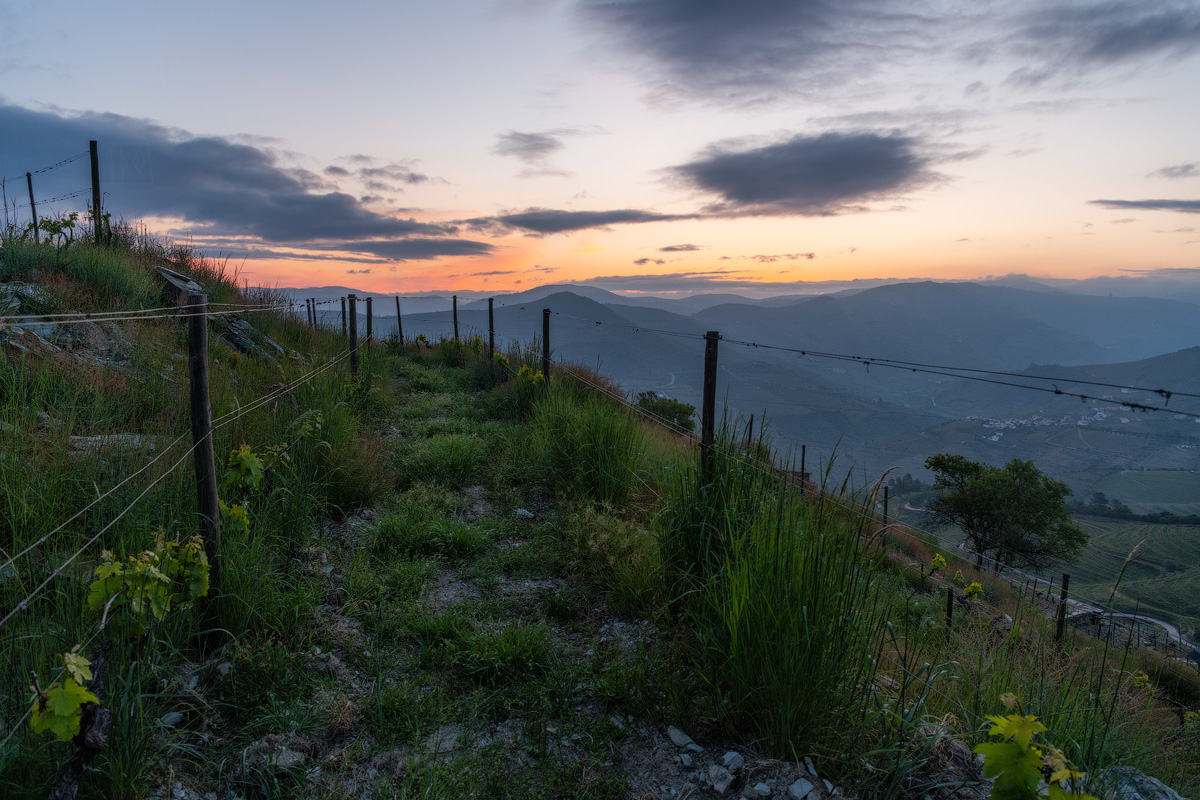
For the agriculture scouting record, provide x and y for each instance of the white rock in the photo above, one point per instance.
(762, 789)
(695, 748)
(524, 513)
(809, 764)
(800, 789)
(685, 759)
(678, 737)
(720, 778)
(733, 761)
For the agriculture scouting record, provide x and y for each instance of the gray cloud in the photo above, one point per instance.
(641, 262)
(829, 173)
(1189, 170)
(757, 48)
(543, 221)
(1182, 206)
(783, 257)
(534, 149)
(680, 248)
(725, 280)
(220, 187)
(1075, 36)
(760, 49)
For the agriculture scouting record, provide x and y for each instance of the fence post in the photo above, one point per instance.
(206, 472)
(33, 208)
(1062, 608)
(308, 311)
(546, 346)
(368, 319)
(708, 413)
(343, 316)
(97, 219)
(750, 432)
(454, 306)
(949, 610)
(803, 479)
(353, 333)
(491, 330)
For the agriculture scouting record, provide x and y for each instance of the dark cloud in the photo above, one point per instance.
(1189, 170)
(641, 262)
(829, 173)
(1182, 206)
(358, 272)
(220, 187)
(417, 249)
(679, 248)
(543, 221)
(726, 280)
(757, 48)
(534, 149)
(783, 257)
(1079, 37)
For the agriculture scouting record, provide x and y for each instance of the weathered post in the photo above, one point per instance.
(949, 610)
(308, 311)
(37, 237)
(885, 505)
(491, 330)
(803, 474)
(207, 501)
(1062, 608)
(708, 413)
(97, 219)
(750, 432)
(399, 326)
(369, 319)
(546, 346)
(343, 316)
(454, 306)
(353, 305)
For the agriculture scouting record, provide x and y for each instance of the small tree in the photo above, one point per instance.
(1015, 512)
(675, 413)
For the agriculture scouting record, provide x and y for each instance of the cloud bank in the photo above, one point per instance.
(223, 187)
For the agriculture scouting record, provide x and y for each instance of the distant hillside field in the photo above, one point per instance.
(1148, 491)
(1164, 575)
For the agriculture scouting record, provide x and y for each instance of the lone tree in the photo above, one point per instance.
(1014, 513)
(677, 414)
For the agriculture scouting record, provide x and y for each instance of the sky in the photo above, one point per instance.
(660, 146)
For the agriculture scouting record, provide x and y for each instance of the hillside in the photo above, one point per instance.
(448, 579)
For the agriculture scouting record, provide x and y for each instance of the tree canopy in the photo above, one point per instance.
(1015, 513)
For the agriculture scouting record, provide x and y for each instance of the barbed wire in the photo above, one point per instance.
(56, 165)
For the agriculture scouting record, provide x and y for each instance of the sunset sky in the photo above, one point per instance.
(649, 145)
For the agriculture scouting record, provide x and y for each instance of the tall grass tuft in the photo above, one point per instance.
(785, 606)
(585, 442)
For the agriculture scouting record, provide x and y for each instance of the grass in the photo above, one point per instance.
(450, 545)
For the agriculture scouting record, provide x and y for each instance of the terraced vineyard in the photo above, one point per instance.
(1164, 576)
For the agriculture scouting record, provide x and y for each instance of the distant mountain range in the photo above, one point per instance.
(774, 359)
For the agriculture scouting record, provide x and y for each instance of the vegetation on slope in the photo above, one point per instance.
(466, 582)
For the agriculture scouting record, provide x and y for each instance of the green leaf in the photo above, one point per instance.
(59, 709)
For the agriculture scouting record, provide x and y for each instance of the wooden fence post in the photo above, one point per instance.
(206, 470)
(949, 610)
(491, 330)
(750, 432)
(546, 346)
(343, 316)
(708, 413)
(368, 319)
(803, 479)
(1062, 608)
(97, 218)
(37, 237)
(454, 302)
(353, 305)
(399, 325)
